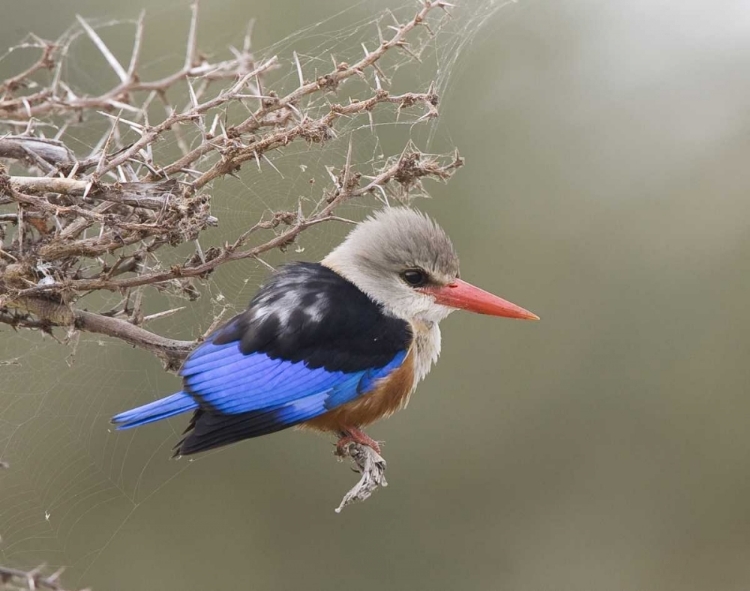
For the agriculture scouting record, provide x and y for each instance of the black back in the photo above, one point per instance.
(307, 312)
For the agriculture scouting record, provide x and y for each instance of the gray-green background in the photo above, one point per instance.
(607, 188)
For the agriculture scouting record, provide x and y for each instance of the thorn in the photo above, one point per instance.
(132, 124)
(101, 46)
(136, 45)
(123, 106)
(103, 158)
(272, 165)
(348, 157)
(216, 121)
(404, 46)
(264, 263)
(299, 70)
(329, 170)
(395, 20)
(247, 41)
(193, 98)
(192, 37)
(385, 195)
(163, 314)
(377, 69)
(121, 174)
(297, 112)
(56, 575)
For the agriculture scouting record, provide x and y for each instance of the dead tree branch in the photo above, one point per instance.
(16, 579)
(113, 219)
(371, 465)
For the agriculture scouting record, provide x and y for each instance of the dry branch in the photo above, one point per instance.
(76, 224)
(371, 465)
(17, 579)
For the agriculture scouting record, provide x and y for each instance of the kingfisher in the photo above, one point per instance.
(330, 346)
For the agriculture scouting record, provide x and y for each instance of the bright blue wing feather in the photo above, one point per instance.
(155, 411)
(368, 379)
(314, 405)
(221, 379)
(227, 381)
(342, 394)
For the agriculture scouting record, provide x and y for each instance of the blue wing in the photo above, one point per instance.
(309, 342)
(224, 380)
(238, 396)
(243, 396)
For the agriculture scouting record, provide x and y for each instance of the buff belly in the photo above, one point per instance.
(389, 395)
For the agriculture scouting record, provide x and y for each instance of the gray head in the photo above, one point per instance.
(406, 262)
(392, 254)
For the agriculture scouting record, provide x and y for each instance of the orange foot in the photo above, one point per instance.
(354, 435)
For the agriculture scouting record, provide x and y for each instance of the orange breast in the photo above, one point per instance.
(389, 395)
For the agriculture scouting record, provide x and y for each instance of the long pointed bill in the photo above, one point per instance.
(465, 296)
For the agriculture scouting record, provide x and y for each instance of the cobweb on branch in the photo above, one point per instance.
(67, 469)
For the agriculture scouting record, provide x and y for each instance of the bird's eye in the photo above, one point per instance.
(414, 277)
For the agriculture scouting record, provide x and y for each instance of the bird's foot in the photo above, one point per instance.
(354, 435)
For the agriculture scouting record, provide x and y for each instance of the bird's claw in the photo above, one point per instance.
(358, 437)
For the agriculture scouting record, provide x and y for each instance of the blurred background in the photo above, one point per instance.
(606, 188)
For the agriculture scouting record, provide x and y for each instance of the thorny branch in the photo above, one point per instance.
(76, 224)
(31, 580)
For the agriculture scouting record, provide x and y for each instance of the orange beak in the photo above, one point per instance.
(465, 296)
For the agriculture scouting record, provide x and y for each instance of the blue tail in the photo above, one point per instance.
(170, 406)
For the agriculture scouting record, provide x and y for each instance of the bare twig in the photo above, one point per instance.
(31, 149)
(371, 465)
(31, 580)
(45, 62)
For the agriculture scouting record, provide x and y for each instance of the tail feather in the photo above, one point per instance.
(155, 411)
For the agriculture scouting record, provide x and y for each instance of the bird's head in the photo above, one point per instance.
(406, 262)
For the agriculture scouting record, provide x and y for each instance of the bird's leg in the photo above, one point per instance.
(354, 435)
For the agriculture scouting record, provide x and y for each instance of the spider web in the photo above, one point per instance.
(72, 482)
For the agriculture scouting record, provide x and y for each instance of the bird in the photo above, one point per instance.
(331, 346)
